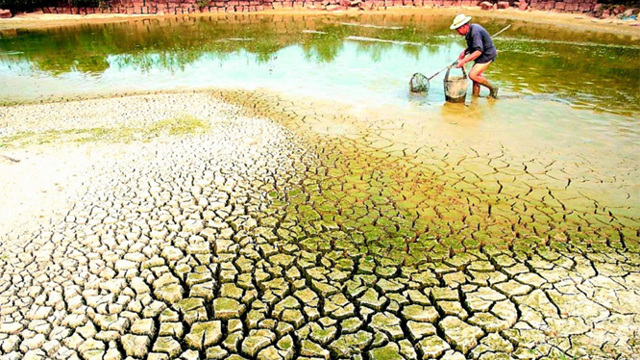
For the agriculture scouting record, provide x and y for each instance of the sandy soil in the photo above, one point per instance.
(39, 183)
(38, 20)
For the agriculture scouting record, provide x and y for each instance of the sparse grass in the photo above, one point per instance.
(180, 126)
(183, 125)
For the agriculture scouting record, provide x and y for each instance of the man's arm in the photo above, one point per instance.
(462, 54)
(474, 55)
(475, 50)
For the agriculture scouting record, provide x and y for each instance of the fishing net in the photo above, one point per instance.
(419, 83)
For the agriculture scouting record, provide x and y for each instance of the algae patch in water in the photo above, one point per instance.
(180, 126)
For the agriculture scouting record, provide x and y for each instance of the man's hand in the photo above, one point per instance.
(460, 63)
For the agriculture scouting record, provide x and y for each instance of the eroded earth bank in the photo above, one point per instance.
(217, 225)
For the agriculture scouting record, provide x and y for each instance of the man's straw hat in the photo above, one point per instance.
(460, 20)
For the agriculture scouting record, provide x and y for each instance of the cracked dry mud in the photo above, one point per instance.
(261, 239)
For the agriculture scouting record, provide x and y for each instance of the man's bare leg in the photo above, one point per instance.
(476, 76)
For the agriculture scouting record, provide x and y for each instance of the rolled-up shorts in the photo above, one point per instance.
(482, 59)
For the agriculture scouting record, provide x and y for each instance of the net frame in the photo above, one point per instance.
(419, 83)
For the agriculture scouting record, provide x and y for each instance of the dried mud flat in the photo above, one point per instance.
(261, 238)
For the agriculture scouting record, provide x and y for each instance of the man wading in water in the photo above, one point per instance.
(479, 48)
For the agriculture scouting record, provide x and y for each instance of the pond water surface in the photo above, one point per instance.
(567, 92)
(350, 58)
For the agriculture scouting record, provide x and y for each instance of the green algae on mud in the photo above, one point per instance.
(367, 203)
(185, 125)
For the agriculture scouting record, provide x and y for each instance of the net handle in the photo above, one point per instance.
(443, 69)
(501, 31)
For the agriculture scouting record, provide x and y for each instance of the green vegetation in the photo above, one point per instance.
(564, 357)
(203, 3)
(175, 127)
(181, 126)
